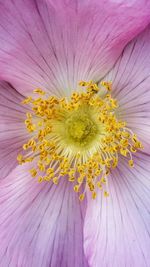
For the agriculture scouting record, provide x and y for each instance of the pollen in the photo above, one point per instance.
(79, 138)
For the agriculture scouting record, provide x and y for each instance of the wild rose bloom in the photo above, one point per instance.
(53, 45)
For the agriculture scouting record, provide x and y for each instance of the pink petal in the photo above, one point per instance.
(54, 44)
(41, 225)
(12, 129)
(131, 85)
(117, 229)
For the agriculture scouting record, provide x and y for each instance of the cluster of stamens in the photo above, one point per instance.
(78, 138)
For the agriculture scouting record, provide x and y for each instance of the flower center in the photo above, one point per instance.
(77, 128)
(80, 129)
(79, 138)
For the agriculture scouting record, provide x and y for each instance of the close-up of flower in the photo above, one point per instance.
(74, 133)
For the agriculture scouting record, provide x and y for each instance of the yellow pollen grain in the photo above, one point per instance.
(78, 138)
(81, 197)
(131, 163)
(106, 194)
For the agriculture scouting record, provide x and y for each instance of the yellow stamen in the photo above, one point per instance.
(79, 138)
(81, 197)
(39, 91)
(106, 194)
(33, 172)
(131, 163)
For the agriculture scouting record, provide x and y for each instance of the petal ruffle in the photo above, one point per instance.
(131, 86)
(117, 229)
(12, 129)
(41, 225)
(54, 44)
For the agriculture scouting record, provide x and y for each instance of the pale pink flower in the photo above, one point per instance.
(53, 44)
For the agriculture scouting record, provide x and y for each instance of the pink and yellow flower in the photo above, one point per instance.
(74, 113)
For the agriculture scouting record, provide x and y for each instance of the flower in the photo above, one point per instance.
(54, 48)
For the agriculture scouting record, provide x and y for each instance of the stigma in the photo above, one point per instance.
(79, 138)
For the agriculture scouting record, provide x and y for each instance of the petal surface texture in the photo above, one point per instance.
(117, 228)
(12, 128)
(131, 86)
(54, 44)
(41, 225)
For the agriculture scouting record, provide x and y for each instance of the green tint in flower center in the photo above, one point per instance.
(80, 128)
